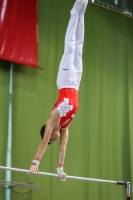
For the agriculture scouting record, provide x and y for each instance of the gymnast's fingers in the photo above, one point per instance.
(34, 169)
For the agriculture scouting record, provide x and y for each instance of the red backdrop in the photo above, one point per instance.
(19, 31)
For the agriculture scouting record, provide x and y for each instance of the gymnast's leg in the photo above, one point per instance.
(79, 42)
(66, 69)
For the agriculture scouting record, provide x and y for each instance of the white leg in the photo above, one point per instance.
(67, 74)
(79, 43)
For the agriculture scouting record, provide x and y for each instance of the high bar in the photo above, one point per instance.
(68, 177)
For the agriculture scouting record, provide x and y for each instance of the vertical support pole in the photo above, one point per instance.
(116, 2)
(9, 142)
(128, 190)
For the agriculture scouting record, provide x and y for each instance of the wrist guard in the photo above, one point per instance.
(36, 162)
(59, 170)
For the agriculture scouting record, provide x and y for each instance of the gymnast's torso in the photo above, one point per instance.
(67, 105)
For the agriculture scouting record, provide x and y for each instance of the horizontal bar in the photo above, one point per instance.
(68, 177)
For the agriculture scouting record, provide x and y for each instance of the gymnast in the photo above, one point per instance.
(68, 81)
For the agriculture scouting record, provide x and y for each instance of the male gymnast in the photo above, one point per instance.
(68, 81)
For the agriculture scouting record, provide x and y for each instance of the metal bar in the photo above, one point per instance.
(10, 185)
(17, 183)
(23, 186)
(68, 177)
(128, 191)
(9, 142)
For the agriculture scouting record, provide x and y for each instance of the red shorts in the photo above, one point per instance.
(67, 105)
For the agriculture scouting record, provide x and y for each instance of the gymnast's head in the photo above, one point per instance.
(54, 136)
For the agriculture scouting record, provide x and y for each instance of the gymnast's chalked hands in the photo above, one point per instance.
(34, 169)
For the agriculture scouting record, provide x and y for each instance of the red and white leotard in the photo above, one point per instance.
(67, 105)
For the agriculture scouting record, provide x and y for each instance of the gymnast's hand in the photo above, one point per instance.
(62, 176)
(34, 169)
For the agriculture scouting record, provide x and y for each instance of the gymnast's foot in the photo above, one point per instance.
(77, 6)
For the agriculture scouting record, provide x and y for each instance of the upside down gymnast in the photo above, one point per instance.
(68, 81)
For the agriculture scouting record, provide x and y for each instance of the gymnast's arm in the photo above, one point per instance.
(63, 145)
(50, 125)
